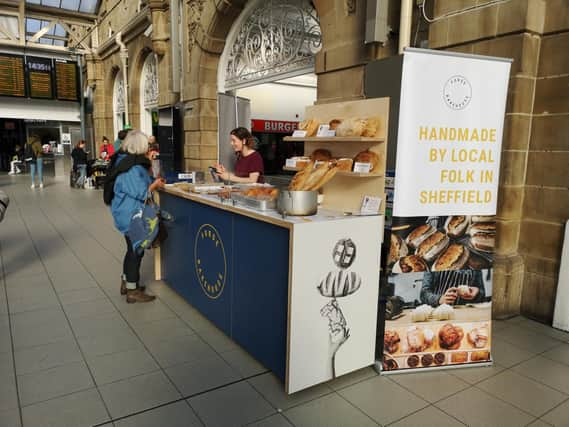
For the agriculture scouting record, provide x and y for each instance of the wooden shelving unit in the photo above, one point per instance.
(334, 139)
(346, 190)
(344, 173)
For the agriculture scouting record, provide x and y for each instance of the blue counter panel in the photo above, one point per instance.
(234, 270)
(178, 245)
(211, 262)
(260, 300)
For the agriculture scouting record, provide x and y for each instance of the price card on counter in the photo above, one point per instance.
(370, 205)
(325, 132)
(362, 167)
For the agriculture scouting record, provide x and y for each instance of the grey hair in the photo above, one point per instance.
(136, 142)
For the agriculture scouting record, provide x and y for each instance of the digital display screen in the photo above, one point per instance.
(40, 77)
(67, 79)
(12, 82)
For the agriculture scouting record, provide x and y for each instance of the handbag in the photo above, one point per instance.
(145, 226)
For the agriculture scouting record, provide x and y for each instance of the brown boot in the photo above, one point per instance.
(136, 295)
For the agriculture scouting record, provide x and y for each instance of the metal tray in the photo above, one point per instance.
(251, 202)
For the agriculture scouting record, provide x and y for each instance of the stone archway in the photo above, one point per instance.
(339, 65)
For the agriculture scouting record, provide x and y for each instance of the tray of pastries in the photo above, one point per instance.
(447, 343)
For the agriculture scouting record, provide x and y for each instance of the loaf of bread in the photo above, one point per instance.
(368, 156)
(310, 126)
(371, 129)
(339, 284)
(334, 123)
(345, 164)
(351, 127)
(321, 155)
(300, 178)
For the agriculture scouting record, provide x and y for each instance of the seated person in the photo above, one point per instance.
(452, 287)
(16, 161)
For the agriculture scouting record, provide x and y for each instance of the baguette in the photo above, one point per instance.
(300, 178)
(315, 176)
(332, 170)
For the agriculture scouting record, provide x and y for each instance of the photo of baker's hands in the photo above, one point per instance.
(449, 297)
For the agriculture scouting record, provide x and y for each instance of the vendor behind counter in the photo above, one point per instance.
(249, 167)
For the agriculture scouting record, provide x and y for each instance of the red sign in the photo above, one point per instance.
(273, 126)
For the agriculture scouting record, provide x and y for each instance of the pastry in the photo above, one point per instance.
(410, 264)
(397, 249)
(450, 336)
(456, 226)
(389, 364)
(443, 312)
(478, 337)
(351, 127)
(419, 235)
(301, 161)
(432, 246)
(368, 156)
(427, 360)
(334, 123)
(339, 283)
(321, 155)
(413, 361)
(454, 257)
(371, 128)
(421, 313)
(391, 341)
(418, 339)
(310, 126)
(483, 241)
(345, 164)
(482, 227)
(459, 357)
(479, 356)
(440, 358)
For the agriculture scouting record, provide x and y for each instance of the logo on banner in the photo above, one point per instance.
(210, 261)
(457, 92)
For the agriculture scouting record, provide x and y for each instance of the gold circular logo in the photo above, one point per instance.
(209, 261)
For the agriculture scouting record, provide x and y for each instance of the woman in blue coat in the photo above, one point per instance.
(133, 185)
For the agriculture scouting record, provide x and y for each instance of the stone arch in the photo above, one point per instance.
(209, 25)
(135, 74)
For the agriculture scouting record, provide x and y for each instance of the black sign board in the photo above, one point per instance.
(12, 82)
(40, 77)
(67, 80)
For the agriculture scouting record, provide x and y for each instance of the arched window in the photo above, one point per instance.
(148, 94)
(118, 103)
(271, 40)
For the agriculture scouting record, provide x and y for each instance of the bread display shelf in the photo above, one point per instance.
(334, 139)
(343, 173)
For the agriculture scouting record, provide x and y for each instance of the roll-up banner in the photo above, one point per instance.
(445, 193)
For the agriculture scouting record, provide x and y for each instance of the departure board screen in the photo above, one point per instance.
(12, 82)
(66, 80)
(40, 77)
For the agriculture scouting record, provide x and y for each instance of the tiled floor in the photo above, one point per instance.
(73, 353)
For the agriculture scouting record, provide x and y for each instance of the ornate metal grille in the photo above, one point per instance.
(150, 81)
(278, 38)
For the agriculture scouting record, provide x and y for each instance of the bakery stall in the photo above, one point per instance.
(299, 292)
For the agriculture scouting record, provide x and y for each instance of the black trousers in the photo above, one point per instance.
(131, 263)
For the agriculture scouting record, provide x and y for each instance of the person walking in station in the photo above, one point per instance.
(127, 187)
(34, 156)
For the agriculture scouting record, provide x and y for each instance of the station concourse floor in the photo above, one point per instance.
(73, 353)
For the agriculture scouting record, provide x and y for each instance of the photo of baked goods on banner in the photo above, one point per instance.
(440, 243)
(439, 292)
(437, 318)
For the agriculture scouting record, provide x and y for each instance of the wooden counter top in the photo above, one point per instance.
(271, 217)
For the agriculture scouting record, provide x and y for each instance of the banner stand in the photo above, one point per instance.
(439, 244)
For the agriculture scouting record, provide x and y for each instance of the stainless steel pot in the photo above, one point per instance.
(297, 203)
